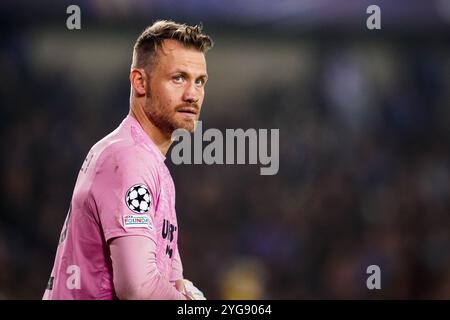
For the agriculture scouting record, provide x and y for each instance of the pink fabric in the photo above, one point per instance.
(177, 268)
(125, 160)
(136, 276)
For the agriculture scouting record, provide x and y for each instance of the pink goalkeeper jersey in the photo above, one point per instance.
(123, 188)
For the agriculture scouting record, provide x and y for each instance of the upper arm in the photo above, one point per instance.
(125, 193)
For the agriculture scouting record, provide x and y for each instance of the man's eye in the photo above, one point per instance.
(199, 82)
(178, 79)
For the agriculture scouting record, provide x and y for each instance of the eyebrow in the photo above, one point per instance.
(184, 73)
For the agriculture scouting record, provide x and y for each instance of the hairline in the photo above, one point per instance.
(153, 57)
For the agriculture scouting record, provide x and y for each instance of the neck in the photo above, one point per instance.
(161, 139)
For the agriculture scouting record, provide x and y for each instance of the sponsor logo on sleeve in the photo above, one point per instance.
(138, 221)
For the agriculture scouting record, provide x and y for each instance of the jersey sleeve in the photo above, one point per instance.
(136, 275)
(124, 192)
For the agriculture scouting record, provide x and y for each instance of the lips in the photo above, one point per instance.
(188, 110)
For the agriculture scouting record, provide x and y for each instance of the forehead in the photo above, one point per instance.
(174, 55)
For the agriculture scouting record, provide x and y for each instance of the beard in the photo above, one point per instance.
(166, 118)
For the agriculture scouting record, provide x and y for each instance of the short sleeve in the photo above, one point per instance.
(124, 191)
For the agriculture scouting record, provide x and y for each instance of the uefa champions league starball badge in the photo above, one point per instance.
(138, 198)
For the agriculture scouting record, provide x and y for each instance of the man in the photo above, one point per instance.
(119, 239)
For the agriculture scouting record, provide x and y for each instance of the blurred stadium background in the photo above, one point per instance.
(364, 119)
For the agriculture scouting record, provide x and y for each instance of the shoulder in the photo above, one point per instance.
(127, 160)
(122, 162)
(118, 154)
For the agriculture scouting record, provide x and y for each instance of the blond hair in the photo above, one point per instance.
(152, 38)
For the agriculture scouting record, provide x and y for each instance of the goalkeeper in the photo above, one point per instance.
(119, 240)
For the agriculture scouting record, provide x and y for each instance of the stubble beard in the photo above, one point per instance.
(165, 118)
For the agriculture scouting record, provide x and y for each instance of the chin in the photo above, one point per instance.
(186, 125)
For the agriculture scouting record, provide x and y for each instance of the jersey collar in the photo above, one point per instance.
(140, 136)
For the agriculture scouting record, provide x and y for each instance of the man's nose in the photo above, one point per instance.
(191, 94)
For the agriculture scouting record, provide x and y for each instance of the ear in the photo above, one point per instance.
(138, 80)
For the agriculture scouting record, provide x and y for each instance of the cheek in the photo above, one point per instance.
(171, 95)
(168, 105)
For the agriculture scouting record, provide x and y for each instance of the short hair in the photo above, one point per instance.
(152, 38)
